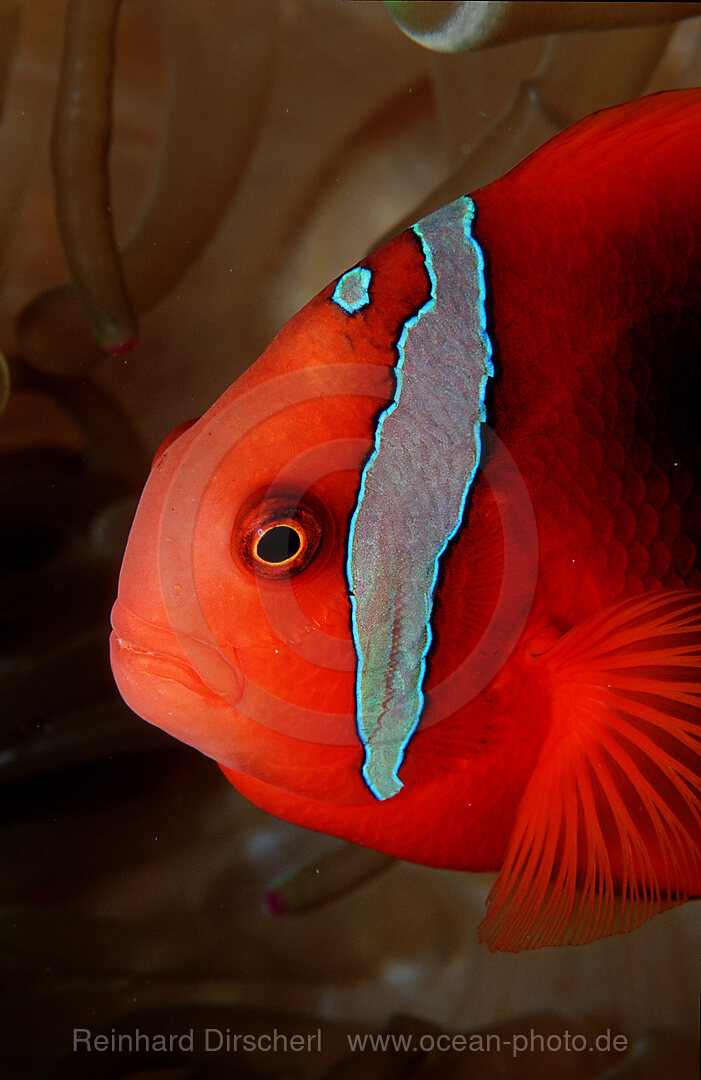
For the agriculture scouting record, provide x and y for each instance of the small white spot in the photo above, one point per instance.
(399, 974)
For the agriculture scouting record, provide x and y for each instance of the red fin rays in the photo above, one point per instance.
(609, 829)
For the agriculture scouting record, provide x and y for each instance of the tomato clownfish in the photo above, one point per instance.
(427, 575)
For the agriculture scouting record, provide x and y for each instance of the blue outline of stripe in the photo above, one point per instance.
(469, 215)
(365, 275)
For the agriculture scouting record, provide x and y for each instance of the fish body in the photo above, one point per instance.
(427, 576)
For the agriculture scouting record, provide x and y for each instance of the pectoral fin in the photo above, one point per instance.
(609, 829)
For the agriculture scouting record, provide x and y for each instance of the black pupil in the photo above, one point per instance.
(278, 545)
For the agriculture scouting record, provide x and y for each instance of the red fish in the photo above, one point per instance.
(427, 576)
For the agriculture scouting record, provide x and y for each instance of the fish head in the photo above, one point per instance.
(232, 625)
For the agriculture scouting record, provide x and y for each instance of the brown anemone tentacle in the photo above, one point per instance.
(318, 883)
(218, 86)
(23, 51)
(79, 155)
(455, 26)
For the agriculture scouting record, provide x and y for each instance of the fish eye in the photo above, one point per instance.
(279, 537)
(278, 545)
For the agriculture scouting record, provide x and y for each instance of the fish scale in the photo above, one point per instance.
(643, 419)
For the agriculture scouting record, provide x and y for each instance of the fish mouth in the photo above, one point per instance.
(153, 664)
(160, 684)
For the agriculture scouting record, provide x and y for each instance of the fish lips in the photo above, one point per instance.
(159, 682)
